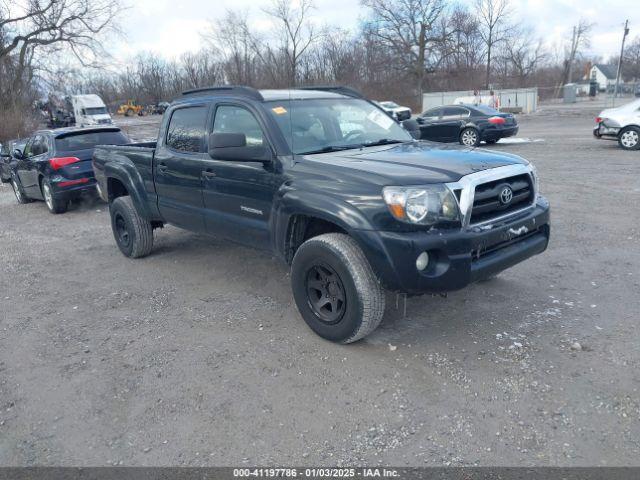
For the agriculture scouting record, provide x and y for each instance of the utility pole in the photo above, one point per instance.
(574, 47)
(624, 36)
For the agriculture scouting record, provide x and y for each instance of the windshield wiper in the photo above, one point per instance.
(332, 148)
(382, 141)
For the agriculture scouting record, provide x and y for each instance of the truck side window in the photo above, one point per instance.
(232, 119)
(186, 129)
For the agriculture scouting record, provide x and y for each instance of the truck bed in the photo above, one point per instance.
(137, 156)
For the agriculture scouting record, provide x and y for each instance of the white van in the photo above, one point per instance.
(90, 110)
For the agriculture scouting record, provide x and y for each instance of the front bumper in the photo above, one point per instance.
(458, 257)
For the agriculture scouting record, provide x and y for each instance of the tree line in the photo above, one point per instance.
(401, 49)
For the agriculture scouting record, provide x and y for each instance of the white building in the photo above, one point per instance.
(604, 76)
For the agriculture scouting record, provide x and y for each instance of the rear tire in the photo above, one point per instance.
(19, 191)
(335, 288)
(55, 205)
(629, 138)
(470, 137)
(133, 234)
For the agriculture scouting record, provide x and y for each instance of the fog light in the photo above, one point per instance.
(422, 261)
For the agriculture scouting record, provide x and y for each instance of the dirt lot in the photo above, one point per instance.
(196, 355)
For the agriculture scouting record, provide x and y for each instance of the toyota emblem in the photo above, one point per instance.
(506, 195)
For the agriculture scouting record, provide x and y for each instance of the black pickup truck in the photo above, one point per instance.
(326, 180)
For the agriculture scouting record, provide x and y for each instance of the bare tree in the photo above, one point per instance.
(494, 19)
(523, 54)
(631, 60)
(71, 24)
(296, 33)
(408, 29)
(580, 39)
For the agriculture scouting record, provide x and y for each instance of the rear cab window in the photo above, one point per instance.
(73, 142)
(186, 130)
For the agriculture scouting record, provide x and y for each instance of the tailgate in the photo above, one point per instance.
(80, 169)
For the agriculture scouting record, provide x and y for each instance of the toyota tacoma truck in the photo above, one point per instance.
(327, 181)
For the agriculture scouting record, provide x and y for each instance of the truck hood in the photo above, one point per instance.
(413, 163)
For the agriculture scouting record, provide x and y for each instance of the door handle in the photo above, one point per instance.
(162, 167)
(208, 173)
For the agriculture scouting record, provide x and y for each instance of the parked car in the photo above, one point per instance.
(636, 91)
(326, 181)
(620, 123)
(7, 159)
(160, 108)
(396, 111)
(55, 165)
(467, 124)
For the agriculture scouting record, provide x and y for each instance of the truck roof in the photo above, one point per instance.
(88, 100)
(269, 95)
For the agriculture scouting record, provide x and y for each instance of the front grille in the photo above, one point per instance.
(487, 203)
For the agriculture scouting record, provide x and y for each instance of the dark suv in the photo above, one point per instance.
(55, 165)
(327, 181)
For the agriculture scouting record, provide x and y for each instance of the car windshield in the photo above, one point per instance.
(85, 141)
(95, 111)
(324, 125)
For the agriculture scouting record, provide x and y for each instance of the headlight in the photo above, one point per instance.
(422, 205)
(536, 179)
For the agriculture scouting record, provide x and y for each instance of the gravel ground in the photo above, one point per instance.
(197, 356)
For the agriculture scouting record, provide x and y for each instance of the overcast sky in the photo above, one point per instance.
(171, 27)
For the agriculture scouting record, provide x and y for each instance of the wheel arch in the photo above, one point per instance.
(298, 210)
(124, 180)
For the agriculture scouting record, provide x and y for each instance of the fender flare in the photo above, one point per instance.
(331, 209)
(129, 176)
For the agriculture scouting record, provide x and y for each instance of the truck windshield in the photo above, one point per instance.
(95, 111)
(324, 125)
(85, 141)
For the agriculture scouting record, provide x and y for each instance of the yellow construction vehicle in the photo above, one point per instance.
(129, 109)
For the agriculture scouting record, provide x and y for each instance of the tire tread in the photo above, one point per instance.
(370, 292)
(143, 238)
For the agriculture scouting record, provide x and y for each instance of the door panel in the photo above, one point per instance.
(238, 195)
(178, 164)
(28, 167)
(237, 199)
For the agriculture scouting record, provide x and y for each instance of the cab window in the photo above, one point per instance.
(235, 119)
(186, 129)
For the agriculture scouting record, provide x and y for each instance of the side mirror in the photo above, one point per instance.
(17, 153)
(233, 147)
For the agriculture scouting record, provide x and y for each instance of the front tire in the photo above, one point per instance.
(629, 138)
(470, 137)
(19, 192)
(133, 233)
(55, 205)
(335, 288)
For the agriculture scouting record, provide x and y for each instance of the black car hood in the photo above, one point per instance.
(414, 162)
